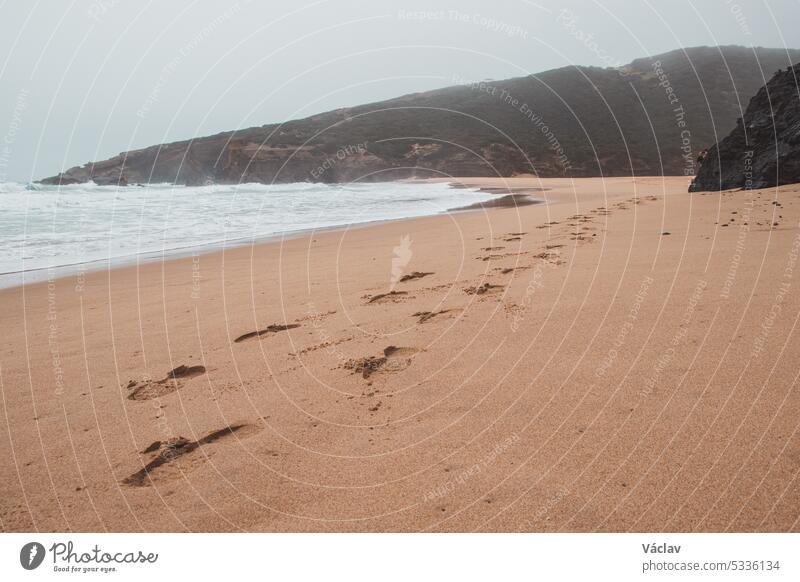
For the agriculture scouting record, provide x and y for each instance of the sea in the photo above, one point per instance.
(51, 231)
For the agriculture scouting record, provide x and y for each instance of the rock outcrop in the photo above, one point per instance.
(763, 149)
(650, 117)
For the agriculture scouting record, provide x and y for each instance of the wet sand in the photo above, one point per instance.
(622, 357)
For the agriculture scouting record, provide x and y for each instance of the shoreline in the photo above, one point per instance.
(11, 279)
(591, 356)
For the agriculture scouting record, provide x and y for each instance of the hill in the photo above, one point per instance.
(650, 117)
(763, 150)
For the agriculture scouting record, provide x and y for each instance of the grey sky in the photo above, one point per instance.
(84, 80)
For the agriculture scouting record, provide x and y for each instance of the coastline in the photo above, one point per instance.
(506, 198)
(587, 354)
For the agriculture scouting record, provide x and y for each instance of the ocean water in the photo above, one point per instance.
(49, 230)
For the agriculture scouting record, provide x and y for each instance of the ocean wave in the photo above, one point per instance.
(79, 223)
(12, 187)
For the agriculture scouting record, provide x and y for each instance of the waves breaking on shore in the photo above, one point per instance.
(51, 227)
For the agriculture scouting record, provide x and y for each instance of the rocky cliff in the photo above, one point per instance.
(649, 117)
(763, 149)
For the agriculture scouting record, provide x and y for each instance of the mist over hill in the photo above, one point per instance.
(650, 117)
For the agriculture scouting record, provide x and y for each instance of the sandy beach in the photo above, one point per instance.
(622, 357)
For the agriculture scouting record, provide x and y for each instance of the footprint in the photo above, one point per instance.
(179, 450)
(317, 316)
(507, 270)
(512, 239)
(414, 275)
(428, 315)
(148, 389)
(391, 295)
(394, 359)
(323, 345)
(482, 289)
(275, 328)
(493, 248)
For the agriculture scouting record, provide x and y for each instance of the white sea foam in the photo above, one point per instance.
(45, 227)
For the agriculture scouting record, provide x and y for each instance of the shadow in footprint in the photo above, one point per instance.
(414, 275)
(183, 371)
(149, 389)
(507, 270)
(176, 448)
(267, 330)
(386, 296)
(428, 315)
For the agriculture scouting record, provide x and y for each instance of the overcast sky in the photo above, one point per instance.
(84, 80)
